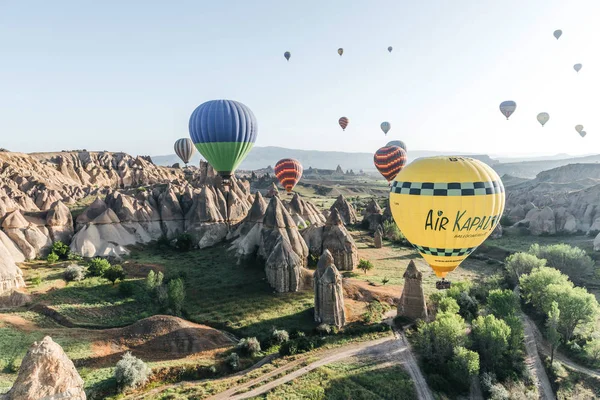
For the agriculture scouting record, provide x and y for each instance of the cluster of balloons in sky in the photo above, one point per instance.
(445, 206)
(508, 107)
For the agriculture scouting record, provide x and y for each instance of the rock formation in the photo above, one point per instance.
(284, 267)
(347, 212)
(373, 216)
(335, 238)
(378, 238)
(47, 373)
(329, 298)
(303, 211)
(412, 302)
(273, 191)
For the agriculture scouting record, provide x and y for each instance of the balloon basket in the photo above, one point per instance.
(443, 284)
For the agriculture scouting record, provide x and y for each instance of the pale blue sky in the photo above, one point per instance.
(126, 75)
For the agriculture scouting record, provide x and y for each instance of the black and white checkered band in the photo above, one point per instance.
(432, 251)
(447, 189)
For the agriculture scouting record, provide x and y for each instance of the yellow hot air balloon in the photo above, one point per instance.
(446, 207)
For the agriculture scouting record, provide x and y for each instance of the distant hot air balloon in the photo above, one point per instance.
(289, 172)
(224, 132)
(340, 51)
(557, 34)
(390, 48)
(446, 207)
(287, 55)
(583, 133)
(543, 117)
(385, 127)
(578, 128)
(389, 160)
(343, 122)
(398, 143)
(507, 108)
(577, 67)
(184, 148)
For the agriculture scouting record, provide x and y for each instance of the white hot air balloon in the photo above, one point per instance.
(557, 34)
(543, 117)
(507, 108)
(583, 133)
(577, 67)
(578, 128)
(184, 148)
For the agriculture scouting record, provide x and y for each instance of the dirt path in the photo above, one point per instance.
(475, 392)
(412, 367)
(534, 363)
(18, 322)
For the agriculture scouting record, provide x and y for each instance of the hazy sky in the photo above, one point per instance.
(126, 75)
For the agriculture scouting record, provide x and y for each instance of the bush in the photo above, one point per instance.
(249, 346)
(499, 392)
(375, 311)
(61, 250)
(519, 264)
(324, 329)
(184, 242)
(52, 258)
(463, 365)
(280, 336)
(36, 280)
(176, 295)
(392, 233)
(131, 372)
(114, 273)
(449, 305)
(385, 280)
(73, 273)
(365, 265)
(571, 261)
(126, 289)
(13, 365)
(233, 361)
(74, 257)
(97, 266)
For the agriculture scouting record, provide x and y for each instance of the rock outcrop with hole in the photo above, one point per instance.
(47, 373)
(412, 302)
(334, 238)
(345, 209)
(329, 294)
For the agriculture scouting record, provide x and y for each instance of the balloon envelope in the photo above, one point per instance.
(343, 122)
(385, 127)
(184, 148)
(224, 132)
(577, 67)
(389, 160)
(287, 55)
(583, 133)
(579, 128)
(507, 108)
(398, 143)
(446, 207)
(543, 117)
(390, 48)
(288, 171)
(340, 51)
(557, 33)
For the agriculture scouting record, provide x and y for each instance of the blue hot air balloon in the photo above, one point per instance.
(224, 132)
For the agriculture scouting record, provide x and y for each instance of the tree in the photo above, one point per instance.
(365, 265)
(569, 260)
(449, 305)
(150, 278)
(491, 340)
(61, 250)
(131, 372)
(592, 349)
(176, 293)
(249, 346)
(114, 273)
(52, 258)
(463, 365)
(519, 264)
(502, 303)
(552, 329)
(534, 286)
(437, 340)
(577, 307)
(97, 266)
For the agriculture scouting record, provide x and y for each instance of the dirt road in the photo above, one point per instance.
(534, 363)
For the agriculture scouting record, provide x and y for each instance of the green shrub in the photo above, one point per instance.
(249, 346)
(323, 329)
(184, 242)
(385, 280)
(392, 233)
(519, 264)
(365, 265)
(97, 266)
(131, 372)
(176, 295)
(289, 348)
(375, 311)
(449, 305)
(126, 289)
(61, 250)
(73, 273)
(463, 365)
(569, 260)
(233, 361)
(52, 258)
(74, 257)
(114, 273)
(36, 280)
(280, 336)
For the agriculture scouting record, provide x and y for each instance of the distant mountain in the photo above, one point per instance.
(529, 169)
(261, 157)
